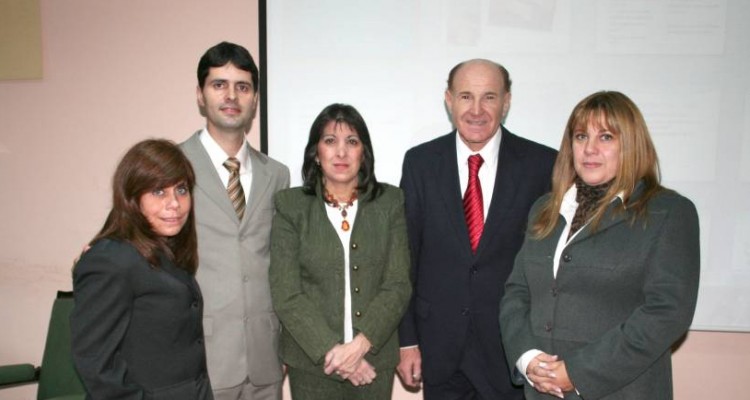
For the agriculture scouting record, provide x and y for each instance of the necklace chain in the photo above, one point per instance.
(332, 202)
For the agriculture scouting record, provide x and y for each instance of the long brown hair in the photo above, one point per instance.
(149, 165)
(638, 160)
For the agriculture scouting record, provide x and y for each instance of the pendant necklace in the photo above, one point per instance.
(332, 202)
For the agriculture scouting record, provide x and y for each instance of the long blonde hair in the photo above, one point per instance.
(638, 160)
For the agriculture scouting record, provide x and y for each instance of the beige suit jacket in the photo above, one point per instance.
(234, 256)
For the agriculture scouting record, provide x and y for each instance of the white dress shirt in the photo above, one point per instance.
(334, 215)
(487, 171)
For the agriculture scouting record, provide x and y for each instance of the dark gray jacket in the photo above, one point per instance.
(622, 297)
(136, 330)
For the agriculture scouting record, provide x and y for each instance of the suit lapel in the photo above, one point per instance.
(450, 188)
(611, 217)
(506, 184)
(609, 220)
(207, 179)
(180, 275)
(260, 185)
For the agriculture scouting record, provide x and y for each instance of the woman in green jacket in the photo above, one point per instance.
(340, 266)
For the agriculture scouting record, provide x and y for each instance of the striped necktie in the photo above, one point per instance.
(473, 203)
(234, 188)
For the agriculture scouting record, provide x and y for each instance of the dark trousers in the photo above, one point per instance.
(471, 381)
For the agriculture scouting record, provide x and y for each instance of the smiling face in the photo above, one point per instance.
(478, 102)
(340, 154)
(596, 153)
(166, 209)
(228, 99)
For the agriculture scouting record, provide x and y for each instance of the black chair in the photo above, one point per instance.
(56, 376)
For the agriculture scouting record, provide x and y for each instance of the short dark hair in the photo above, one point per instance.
(149, 165)
(224, 53)
(504, 72)
(348, 115)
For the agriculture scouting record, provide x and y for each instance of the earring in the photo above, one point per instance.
(317, 162)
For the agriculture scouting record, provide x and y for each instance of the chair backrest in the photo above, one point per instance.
(58, 376)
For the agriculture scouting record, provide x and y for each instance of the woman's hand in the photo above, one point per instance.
(364, 375)
(561, 376)
(549, 375)
(345, 359)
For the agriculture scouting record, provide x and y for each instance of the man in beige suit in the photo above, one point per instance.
(241, 329)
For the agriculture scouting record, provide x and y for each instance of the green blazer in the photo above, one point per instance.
(307, 277)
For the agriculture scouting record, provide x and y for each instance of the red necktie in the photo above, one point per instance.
(473, 204)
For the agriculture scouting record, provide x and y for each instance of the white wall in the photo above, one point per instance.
(684, 63)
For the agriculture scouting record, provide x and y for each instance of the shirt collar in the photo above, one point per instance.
(218, 156)
(489, 152)
(569, 203)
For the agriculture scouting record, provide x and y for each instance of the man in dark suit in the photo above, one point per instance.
(233, 211)
(466, 218)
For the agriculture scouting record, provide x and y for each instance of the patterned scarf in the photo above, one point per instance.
(588, 198)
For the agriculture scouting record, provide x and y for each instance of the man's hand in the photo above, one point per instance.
(410, 367)
(83, 251)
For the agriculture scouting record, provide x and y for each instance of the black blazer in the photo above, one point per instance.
(453, 287)
(136, 330)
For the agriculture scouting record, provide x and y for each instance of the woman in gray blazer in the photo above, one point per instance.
(339, 266)
(137, 321)
(607, 278)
